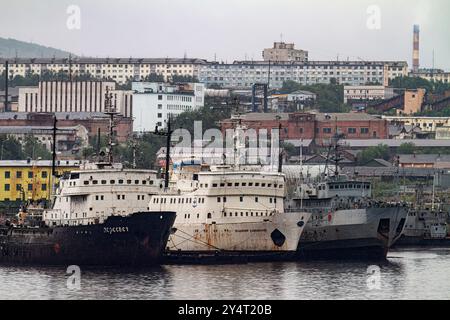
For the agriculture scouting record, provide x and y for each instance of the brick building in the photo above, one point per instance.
(318, 127)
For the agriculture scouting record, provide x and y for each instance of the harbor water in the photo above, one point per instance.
(407, 274)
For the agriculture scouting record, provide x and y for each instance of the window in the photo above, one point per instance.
(326, 130)
(218, 199)
(19, 174)
(224, 199)
(7, 174)
(103, 181)
(256, 199)
(159, 115)
(112, 181)
(364, 130)
(128, 181)
(30, 175)
(241, 199)
(44, 187)
(159, 97)
(44, 174)
(7, 187)
(30, 187)
(209, 215)
(351, 130)
(18, 187)
(120, 181)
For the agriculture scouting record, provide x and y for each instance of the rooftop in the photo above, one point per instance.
(38, 163)
(364, 143)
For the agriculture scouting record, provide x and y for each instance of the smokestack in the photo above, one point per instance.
(416, 48)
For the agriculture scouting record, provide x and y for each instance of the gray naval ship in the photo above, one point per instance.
(346, 221)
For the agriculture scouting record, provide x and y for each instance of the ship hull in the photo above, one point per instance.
(276, 236)
(353, 234)
(135, 240)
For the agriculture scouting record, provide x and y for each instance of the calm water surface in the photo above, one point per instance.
(408, 274)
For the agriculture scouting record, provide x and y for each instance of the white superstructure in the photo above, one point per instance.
(97, 191)
(225, 209)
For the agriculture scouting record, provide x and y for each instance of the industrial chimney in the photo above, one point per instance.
(416, 48)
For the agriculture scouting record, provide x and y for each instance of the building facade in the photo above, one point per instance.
(318, 127)
(29, 179)
(242, 74)
(114, 69)
(367, 93)
(74, 96)
(283, 52)
(154, 102)
(432, 75)
(427, 124)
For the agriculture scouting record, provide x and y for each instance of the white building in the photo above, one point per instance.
(301, 95)
(153, 102)
(242, 74)
(73, 96)
(115, 69)
(367, 93)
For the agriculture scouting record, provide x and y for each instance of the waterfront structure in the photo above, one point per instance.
(243, 74)
(29, 179)
(154, 102)
(367, 93)
(119, 70)
(319, 127)
(92, 121)
(282, 52)
(74, 96)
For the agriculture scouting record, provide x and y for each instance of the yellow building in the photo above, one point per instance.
(29, 179)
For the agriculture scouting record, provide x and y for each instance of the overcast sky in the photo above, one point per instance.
(232, 29)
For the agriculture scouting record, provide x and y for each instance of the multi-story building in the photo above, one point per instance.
(282, 52)
(154, 102)
(29, 179)
(242, 74)
(367, 93)
(115, 69)
(74, 96)
(432, 75)
(319, 127)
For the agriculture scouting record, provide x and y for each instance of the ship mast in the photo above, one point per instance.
(166, 133)
(110, 110)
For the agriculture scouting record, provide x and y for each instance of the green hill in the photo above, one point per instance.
(11, 48)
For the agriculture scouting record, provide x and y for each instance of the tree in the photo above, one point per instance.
(10, 148)
(406, 148)
(378, 152)
(33, 149)
(330, 97)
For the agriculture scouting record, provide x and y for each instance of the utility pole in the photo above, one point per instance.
(6, 85)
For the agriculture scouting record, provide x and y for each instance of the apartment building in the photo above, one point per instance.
(119, 70)
(432, 75)
(282, 52)
(242, 74)
(153, 102)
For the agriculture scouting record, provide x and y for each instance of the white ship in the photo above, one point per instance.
(229, 210)
(99, 190)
